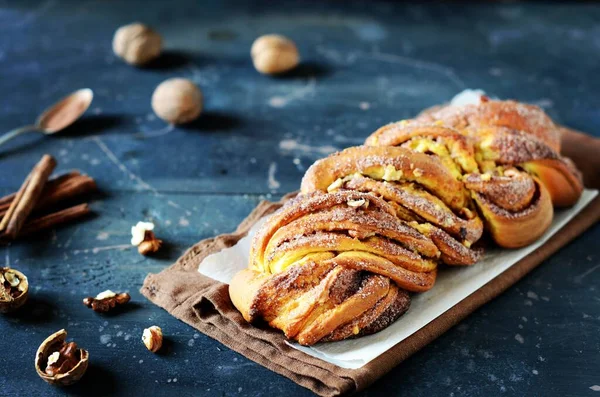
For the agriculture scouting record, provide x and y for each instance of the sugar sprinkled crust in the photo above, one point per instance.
(373, 222)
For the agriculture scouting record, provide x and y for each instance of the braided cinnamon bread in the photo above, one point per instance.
(372, 223)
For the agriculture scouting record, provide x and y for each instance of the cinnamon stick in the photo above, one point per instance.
(59, 190)
(13, 205)
(52, 184)
(27, 197)
(54, 219)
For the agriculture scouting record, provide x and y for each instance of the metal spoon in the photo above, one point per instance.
(57, 117)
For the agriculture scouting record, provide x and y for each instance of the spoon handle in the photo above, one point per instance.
(17, 131)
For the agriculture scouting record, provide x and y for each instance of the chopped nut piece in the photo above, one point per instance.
(335, 185)
(143, 237)
(106, 301)
(150, 244)
(138, 232)
(357, 203)
(60, 363)
(153, 338)
(14, 289)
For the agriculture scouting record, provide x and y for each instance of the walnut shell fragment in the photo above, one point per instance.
(14, 289)
(60, 363)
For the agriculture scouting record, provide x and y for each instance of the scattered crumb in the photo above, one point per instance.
(102, 236)
(519, 338)
(104, 339)
(277, 102)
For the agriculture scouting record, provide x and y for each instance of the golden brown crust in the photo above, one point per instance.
(520, 228)
(373, 222)
(376, 161)
(511, 114)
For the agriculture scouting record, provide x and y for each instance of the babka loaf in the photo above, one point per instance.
(372, 223)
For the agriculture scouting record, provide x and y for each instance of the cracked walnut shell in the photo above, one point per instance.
(60, 363)
(14, 289)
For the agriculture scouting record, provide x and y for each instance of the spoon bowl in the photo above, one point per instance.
(58, 116)
(65, 112)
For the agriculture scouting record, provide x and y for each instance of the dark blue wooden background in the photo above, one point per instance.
(364, 64)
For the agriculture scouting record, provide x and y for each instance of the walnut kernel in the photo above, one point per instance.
(60, 363)
(153, 338)
(14, 289)
(136, 44)
(357, 203)
(106, 301)
(177, 101)
(273, 54)
(150, 244)
(143, 237)
(138, 232)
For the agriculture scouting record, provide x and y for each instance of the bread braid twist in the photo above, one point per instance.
(373, 222)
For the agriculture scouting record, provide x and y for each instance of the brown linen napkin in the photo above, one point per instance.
(204, 303)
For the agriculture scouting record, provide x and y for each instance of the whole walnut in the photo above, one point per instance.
(177, 101)
(137, 44)
(273, 54)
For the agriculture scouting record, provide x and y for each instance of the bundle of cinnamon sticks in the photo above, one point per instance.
(39, 203)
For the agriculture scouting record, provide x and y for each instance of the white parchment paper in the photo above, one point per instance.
(453, 284)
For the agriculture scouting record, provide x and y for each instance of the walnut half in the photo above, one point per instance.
(14, 289)
(153, 338)
(106, 301)
(143, 237)
(59, 362)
